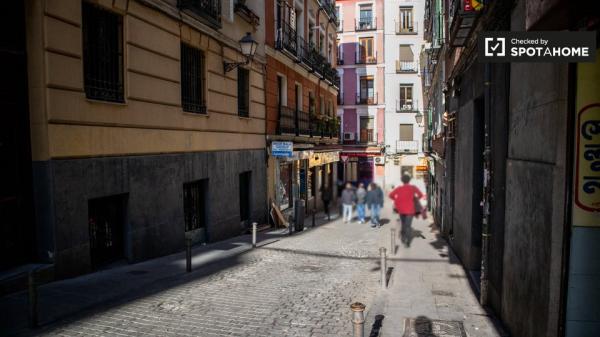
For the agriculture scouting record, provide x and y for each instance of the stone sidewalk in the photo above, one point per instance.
(300, 285)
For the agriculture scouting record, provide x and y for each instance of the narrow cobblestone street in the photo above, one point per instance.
(301, 285)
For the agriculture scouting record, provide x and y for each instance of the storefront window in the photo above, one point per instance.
(284, 185)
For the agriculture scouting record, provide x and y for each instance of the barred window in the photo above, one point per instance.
(192, 80)
(102, 53)
(243, 92)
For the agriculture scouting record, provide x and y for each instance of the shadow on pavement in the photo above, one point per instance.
(376, 327)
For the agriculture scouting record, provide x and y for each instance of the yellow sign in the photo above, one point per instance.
(477, 4)
(586, 208)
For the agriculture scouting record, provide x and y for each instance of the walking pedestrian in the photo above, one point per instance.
(361, 198)
(348, 199)
(375, 203)
(406, 198)
(326, 197)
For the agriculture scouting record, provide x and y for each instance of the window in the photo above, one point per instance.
(365, 20)
(102, 54)
(405, 25)
(106, 220)
(284, 185)
(195, 199)
(367, 90)
(367, 124)
(192, 80)
(406, 101)
(243, 92)
(406, 60)
(365, 50)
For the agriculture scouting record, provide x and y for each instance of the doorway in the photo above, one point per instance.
(106, 217)
(245, 190)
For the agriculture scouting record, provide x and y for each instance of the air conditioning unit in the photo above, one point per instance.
(380, 160)
(348, 136)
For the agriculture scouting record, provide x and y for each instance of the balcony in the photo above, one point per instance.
(461, 20)
(301, 123)
(246, 13)
(367, 136)
(407, 28)
(407, 146)
(287, 38)
(362, 58)
(366, 100)
(208, 10)
(329, 8)
(403, 67)
(364, 24)
(406, 105)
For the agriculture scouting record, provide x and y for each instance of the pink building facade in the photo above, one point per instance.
(361, 101)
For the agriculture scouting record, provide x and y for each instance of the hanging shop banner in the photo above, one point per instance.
(586, 208)
(322, 158)
(282, 149)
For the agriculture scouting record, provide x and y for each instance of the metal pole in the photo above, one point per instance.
(393, 241)
(383, 267)
(290, 224)
(358, 319)
(313, 217)
(254, 235)
(188, 255)
(32, 290)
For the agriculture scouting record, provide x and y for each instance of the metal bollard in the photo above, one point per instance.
(290, 224)
(32, 292)
(393, 241)
(313, 218)
(383, 267)
(188, 254)
(254, 235)
(358, 319)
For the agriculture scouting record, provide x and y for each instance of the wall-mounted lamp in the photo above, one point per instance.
(248, 48)
(419, 118)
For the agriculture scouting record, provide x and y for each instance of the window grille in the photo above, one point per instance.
(192, 80)
(102, 53)
(194, 204)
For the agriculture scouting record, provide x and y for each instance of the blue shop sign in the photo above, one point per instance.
(282, 149)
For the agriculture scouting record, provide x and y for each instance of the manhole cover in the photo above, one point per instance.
(442, 293)
(425, 327)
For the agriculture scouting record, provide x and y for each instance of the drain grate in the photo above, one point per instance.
(442, 293)
(425, 327)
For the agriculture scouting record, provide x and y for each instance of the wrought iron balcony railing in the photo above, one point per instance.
(406, 27)
(287, 38)
(363, 58)
(303, 123)
(210, 10)
(368, 100)
(407, 66)
(407, 146)
(329, 8)
(407, 105)
(366, 23)
(287, 121)
(367, 136)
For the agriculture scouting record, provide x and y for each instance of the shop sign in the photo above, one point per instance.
(586, 186)
(587, 191)
(323, 158)
(282, 149)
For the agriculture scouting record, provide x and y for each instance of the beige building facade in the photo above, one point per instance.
(139, 138)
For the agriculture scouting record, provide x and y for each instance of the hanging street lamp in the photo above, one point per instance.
(247, 47)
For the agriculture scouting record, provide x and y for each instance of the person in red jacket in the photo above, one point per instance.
(405, 197)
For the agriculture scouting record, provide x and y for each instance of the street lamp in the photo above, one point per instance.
(419, 118)
(248, 48)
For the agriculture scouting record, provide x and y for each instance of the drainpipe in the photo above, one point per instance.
(485, 231)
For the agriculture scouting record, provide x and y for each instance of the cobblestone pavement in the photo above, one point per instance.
(298, 286)
(301, 285)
